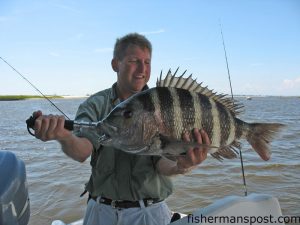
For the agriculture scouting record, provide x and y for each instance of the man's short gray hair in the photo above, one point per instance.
(122, 44)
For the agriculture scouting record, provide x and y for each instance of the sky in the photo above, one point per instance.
(65, 47)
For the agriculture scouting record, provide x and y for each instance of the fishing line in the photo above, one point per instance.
(32, 85)
(229, 78)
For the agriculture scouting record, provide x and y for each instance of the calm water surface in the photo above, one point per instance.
(56, 181)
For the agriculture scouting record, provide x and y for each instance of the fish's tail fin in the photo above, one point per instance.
(260, 135)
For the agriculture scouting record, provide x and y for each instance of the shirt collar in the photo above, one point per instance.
(114, 99)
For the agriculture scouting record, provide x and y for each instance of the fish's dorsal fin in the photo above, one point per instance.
(190, 84)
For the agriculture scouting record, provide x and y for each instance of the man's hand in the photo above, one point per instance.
(186, 163)
(50, 127)
(194, 156)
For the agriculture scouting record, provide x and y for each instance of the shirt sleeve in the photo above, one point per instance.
(88, 112)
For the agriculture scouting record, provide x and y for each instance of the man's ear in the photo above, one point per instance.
(114, 65)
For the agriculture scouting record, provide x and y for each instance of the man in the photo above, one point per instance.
(124, 188)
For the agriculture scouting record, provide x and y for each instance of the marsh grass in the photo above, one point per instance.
(24, 97)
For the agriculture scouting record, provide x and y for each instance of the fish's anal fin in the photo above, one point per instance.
(227, 152)
(139, 151)
(171, 157)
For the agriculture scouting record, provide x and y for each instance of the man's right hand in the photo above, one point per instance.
(50, 127)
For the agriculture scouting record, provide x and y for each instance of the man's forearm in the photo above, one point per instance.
(78, 148)
(168, 167)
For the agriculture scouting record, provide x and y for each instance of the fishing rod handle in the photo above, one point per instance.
(69, 124)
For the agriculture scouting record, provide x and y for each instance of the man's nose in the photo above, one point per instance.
(142, 66)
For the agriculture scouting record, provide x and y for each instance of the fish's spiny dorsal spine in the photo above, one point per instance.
(192, 85)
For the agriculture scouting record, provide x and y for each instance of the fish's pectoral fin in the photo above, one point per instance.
(146, 150)
(171, 157)
(136, 150)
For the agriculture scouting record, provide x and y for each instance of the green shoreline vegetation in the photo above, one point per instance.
(24, 97)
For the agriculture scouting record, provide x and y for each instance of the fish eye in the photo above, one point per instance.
(127, 114)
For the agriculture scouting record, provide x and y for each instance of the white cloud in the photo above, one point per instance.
(153, 32)
(67, 8)
(291, 83)
(250, 88)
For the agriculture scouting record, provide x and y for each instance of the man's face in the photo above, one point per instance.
(133, 69)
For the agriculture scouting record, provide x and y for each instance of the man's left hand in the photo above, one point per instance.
(194, 156)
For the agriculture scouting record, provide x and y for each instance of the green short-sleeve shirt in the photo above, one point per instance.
(116, 174)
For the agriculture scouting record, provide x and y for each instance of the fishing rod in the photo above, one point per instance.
(229, 78)
(69, 124)
(32, 85)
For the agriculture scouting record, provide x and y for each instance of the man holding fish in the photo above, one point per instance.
(124, 188)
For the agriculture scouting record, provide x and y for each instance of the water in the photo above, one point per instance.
(56, 181)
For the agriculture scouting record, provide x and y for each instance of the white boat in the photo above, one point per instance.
(253, 209)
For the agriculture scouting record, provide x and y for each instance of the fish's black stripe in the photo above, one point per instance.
(166, 105)
(225, 123)
(239, 128)
(206, 116)
(186, 102)
(146, 100)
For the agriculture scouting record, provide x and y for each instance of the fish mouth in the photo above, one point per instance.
(105, 139)
(107, 130)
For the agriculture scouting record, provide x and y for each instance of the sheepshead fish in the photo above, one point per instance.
(152, 122)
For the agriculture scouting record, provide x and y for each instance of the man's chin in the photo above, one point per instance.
(135, 90)
(138, 88)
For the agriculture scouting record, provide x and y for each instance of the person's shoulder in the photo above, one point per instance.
(99, 96)
(104, 92)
